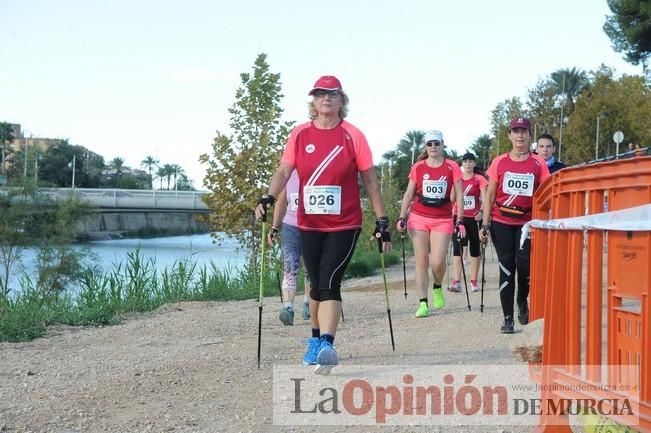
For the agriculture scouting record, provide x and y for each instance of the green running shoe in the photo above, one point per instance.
(423, 310)
(305, 312)
(437, 298)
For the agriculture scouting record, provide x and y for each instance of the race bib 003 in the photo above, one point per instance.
(322, 199)
(469, 202)
(518, 184)
(293, 201)
(435, 188)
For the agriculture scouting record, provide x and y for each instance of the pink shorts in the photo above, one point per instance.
(430, 224)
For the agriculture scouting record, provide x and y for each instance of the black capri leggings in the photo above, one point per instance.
(472, 236)
(506, 239)
(326, 256)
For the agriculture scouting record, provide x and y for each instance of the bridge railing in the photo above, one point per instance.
(133, 198)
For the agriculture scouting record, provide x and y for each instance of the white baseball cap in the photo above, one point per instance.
(433, 135)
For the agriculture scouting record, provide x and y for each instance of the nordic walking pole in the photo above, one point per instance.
(263, 241)
(404, 269)
(483, 275)
(463, 271)
(280, 289)
(403, 224)
(386, 289)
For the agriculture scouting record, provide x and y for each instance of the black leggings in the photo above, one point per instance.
(326, 255)
(506, 239)
(472, 236)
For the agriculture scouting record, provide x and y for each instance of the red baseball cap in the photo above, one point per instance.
(326, 82)
(520, 122)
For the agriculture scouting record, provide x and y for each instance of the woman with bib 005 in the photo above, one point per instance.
(431, 182)
(474, 188)
(513, 178)
(328, 154)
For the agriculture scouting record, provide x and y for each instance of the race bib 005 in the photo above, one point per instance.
(322, 199)
(518, 184)
(435, 188)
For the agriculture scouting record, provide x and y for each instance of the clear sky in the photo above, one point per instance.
(131, 78)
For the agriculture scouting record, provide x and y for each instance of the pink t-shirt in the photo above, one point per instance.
(292, 200)
(517, 182)
(328, 162)
(434, 183)
(363, 155)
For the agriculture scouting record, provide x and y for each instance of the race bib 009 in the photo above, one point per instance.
(518, 184)
(322, 199)
(469, 202)
(435, 188)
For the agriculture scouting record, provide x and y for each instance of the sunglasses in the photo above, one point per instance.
(433, 143)
(323, 93)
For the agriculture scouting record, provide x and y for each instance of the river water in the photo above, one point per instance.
(106, 255)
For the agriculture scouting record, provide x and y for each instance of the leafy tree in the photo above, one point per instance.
(55, 166)
(149, 163)
(629, 30)
(29, 219)
(241, 164)
(6, 137)
(544, 108)
(500, 118)
(627, 101)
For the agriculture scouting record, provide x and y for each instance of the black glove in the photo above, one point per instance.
(382, 229)
(267, 202)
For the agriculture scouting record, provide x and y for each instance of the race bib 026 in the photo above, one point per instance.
(435, 188)
(322, 199)
(518, 184)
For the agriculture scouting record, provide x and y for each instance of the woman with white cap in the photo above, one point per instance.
(328, 154)
(431, 182)
(513, 178)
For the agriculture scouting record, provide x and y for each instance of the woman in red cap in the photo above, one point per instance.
(513, 178)
(328, 154)
(431, 182)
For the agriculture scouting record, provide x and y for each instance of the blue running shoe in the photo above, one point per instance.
(326, 359)
(312, 351)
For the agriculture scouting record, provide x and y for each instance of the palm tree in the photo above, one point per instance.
(411, 142)
(177, 170)
(161, 173)
(169, 172)
(569, 83)
(117, 164)
(149, 162)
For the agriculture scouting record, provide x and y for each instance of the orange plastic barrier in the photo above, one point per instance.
(569, 282)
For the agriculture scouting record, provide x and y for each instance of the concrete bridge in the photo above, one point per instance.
(134, 200)
(128, 212)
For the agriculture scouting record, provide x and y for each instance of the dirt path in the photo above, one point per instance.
(190, 367)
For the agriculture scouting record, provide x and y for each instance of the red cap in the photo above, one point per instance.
(327, 82)
(520, 122)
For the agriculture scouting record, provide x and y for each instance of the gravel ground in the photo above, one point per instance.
(191, 367)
